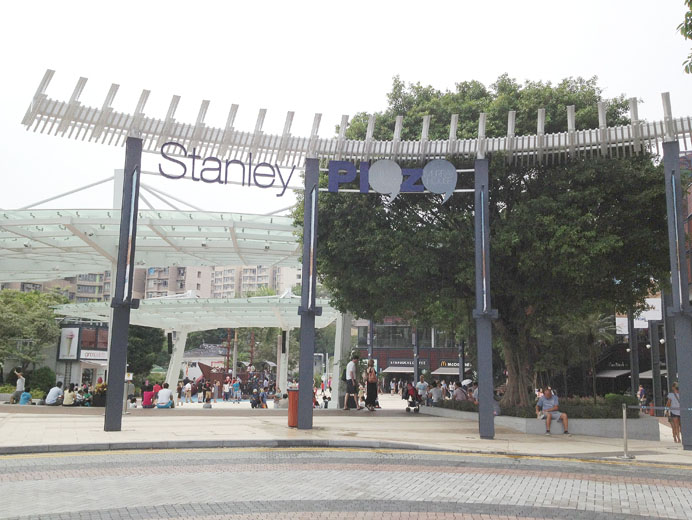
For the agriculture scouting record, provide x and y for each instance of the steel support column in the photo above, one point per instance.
(462, 361)
(308, 310)
(416, 365)
(634, 353)
(669, 340)
(173, 372)
(655, 363)
(680, 310)
(484, 313)
(122, 300)
(371, 337)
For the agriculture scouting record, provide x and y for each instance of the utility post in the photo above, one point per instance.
(484, 314)
(122, 300)
(308, 310)
(680, 309)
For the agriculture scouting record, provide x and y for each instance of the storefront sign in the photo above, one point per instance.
(88, 355)
(407, 362)
(444, 363)
(387, 177)
(212, 170)
(69, 343)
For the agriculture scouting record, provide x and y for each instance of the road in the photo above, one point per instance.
(319, 483)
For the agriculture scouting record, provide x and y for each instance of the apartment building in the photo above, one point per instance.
(238, 281)
(167, 281)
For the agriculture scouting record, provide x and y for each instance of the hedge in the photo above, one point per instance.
(608, 407)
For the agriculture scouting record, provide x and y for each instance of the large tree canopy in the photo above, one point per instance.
(565, 237)
(27, 325)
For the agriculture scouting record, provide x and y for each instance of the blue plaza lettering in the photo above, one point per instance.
(387, 177)
(214, 170)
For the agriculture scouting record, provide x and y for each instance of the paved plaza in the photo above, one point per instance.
(233, 462)
(240, 483)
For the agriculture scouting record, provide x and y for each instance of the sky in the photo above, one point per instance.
(310, 57)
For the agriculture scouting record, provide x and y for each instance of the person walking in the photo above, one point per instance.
(351, 385)
(371, 388)
(673, 406)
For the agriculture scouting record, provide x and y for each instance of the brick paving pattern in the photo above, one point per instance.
(335, 483)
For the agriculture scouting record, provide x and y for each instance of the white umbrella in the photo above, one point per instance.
(466, 382)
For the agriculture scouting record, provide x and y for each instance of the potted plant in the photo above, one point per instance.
(99, 398)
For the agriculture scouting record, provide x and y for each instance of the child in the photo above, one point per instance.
(25, 396)
(132, 403)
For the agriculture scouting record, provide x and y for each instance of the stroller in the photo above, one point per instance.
(413, 400)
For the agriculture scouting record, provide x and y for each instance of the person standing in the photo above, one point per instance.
(673, 406)
(237, 394)
(422, 389)
(188, 392)
(351, 386)
(371, 388)
(20, 388)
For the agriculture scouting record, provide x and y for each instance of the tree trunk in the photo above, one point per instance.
(593, 374)
(564, 382)
(518, 376)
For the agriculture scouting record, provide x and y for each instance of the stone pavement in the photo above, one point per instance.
(33, 429)
(252, 483)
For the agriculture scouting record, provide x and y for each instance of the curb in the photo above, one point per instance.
(189, 444)
(304, 443)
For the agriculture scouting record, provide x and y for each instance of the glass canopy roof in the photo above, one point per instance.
(191, 314)
(47, 244)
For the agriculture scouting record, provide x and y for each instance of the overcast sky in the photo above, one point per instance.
(329, 57)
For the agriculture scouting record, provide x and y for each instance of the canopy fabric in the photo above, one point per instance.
(612, 374)
(650, 375)
(191, 314)
(446, 371)
(42, 244)
(94, 364)
(398, 370)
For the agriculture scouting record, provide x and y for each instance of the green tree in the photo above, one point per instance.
(685, 29)
(564, 236)
(593, 331)
(27, 326)
(144, 344)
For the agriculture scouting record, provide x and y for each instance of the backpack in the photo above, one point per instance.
(372, 376)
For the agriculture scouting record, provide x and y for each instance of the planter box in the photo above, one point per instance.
(646, 428)
(98, 400)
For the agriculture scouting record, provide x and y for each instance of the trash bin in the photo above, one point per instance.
(293, 408)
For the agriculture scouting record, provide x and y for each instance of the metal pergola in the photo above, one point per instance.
(141, 133)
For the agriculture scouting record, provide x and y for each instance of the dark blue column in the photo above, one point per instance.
(122, 300)
(308, 310)
(484, 313)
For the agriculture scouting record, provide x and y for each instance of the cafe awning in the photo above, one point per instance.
(446, 371)
(398, 370)
(612, 374)
(649, 374)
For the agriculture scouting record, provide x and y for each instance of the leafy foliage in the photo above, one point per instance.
(144, 343)
(566, 237)
(685, 29)
(27, 325)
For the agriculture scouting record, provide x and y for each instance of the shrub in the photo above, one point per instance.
(36, 393)
(42, 378)
(7, 389)
(609, 407)
(462, 406)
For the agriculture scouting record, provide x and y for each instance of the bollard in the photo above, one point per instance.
(625, 455)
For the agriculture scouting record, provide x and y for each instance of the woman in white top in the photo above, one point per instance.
(673, 405)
